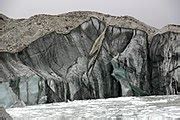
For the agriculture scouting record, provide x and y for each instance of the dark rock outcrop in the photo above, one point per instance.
(93, 60)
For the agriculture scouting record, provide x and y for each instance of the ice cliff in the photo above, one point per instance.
(85, 55)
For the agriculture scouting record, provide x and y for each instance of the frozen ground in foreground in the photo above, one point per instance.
(123, 108)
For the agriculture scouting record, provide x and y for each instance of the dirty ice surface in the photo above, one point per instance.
(122, 108)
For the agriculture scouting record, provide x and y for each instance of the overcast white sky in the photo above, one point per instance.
(157, 13)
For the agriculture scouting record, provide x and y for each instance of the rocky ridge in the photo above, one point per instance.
(16, 34)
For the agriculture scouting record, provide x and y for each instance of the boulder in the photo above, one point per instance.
(4, 115)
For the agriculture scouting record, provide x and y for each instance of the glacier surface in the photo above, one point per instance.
(122, 108)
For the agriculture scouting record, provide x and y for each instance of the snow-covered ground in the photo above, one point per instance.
(123, 108)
